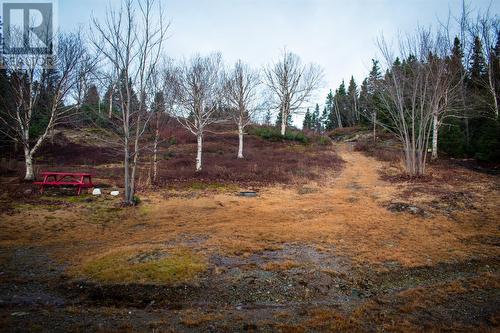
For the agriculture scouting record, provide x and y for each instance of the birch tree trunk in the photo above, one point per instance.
(155, 157)
(435, 126)
(374, 126)
(132, 178)
(134, 163)
(199, 137)
(240, 147)
(492, 89)
(283, 123)
(110, 111)
(128, 193)
(28, 157)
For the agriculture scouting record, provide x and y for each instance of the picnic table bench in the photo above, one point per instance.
(77, 179)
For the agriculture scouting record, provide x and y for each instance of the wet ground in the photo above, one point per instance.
(36, 295)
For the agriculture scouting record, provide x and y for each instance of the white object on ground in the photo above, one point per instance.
(114, 193)
(96, 191)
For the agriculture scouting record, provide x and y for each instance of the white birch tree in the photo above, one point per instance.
(292, 84)
(240, 94)
(198, 87)
(416, 93)
(27, 74)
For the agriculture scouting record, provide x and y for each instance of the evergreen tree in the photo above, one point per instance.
(6, 104)
(158, 105)
(46, 89)
(374, 77)
(364, 100)
(352, 93)
(90, 108)
(307, 120)
(373, 103)
(456, 58)
(453, 132)
(477, 70)
(324, 119)
(91, 96)
(267, 118)
(112, 96)
(452, 138)
(316, 124)
(329, 106)
(288, 121)
(341, 104)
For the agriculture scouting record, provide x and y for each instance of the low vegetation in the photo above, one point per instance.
(172, 267)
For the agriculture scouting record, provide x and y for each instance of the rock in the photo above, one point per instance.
(248, 194)
(18, 314)
(114, 193)
(352, 139)
(28, 191)
(405, 207)
(96, 191)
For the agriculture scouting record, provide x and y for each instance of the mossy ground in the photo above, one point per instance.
(172, 267)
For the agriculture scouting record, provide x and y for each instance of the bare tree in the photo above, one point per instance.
(28, 78)
(84, 75)
(487, 28)
(198, 87)
(415, 94)
(130, 41)
(240, 94)
(164, 91)
(292, 84)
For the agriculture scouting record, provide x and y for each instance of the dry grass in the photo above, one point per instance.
(280, 265)
(194, 318)
(345, 217)
(402, 312)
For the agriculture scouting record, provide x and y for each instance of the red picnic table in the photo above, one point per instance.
(78, 179)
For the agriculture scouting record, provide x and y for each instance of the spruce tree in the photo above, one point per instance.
(91, 97)
(288, 121)
(373, 103)
(374, 77)
(324, 119)
(329, 106)
(453, 136)
(364, 101)
(6, 104)
(341, 104)
(307, 120)
(267, 118)
(477, 70)
(352, 94)
(316, 123)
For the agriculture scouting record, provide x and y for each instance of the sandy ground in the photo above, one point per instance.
(324, 256)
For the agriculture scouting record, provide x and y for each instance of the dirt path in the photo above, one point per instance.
(346, 213)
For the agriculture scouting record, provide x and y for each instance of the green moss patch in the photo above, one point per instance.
(176, 266)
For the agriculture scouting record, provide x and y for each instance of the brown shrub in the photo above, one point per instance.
(265, 162)
(380, 151)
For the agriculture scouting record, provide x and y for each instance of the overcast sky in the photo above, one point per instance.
(339, 35)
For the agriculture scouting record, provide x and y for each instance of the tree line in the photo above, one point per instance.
(434, 90)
